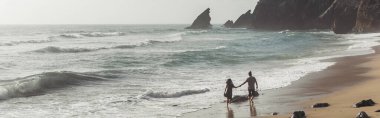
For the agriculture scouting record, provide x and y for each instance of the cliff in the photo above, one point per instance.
(202, 21)
(344, 14)
(355, 16)
(244, 21)
(368, 16)
(291, 14)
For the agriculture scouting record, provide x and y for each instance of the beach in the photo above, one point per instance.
(350, 80)
(93, 71)
(341, 101)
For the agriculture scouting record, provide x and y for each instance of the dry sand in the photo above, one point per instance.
(342, 100)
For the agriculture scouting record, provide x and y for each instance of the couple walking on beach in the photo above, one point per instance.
(251, 88)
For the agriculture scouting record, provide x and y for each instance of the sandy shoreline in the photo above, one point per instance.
(342, 101)
(349, 81)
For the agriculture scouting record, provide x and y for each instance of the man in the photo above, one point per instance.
(251, 85)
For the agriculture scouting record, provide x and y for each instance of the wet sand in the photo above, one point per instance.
(350, 80)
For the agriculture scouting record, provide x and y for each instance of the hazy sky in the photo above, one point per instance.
(118, 11)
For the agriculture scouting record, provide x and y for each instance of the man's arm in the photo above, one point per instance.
(257, 86)
(242, 83)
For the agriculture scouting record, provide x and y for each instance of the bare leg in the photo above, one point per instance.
(227, 102)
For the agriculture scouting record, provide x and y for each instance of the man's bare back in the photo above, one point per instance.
(251, 82)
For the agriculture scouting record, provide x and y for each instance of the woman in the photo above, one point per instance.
(228, 91)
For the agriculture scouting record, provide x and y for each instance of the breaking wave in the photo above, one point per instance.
(102, 34)
(73, 35)
(91, 34)
(40, 83)
(13, 43)
(52, 49)
(167, 39)
(125, 46)
(152, 94)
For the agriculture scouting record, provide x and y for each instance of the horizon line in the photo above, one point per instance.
(107, 24)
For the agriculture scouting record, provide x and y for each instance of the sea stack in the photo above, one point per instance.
(202, 21)
(244, 21)
(229, 24)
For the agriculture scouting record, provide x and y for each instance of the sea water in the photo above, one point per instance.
(151, 70)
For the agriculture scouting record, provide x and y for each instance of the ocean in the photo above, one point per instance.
(152, 70)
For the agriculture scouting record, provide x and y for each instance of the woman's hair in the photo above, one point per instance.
(229, 82)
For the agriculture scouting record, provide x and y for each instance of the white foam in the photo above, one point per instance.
(12, 43)
(71, 35)
(171, 37)
(102, 34)
(91, 34)
(360, 44)
(294, 70)
(196, 32)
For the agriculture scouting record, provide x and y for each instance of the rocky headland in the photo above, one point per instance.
(368, 16)
(291, 14)
(342, 16)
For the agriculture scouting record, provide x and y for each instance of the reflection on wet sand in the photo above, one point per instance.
(252, 108)
(230, 113)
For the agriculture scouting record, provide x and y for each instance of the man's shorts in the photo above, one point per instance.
(251, 92)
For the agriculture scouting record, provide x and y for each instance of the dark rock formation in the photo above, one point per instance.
(364, 103)
(291, 14)
(228, 24)
(342, 16)
(244, 21)
(320, 105)
(343, 13)
(368, 16)
(299, 114)
(358, 16)
(274, 114)
(202, 21)
(362, 115)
